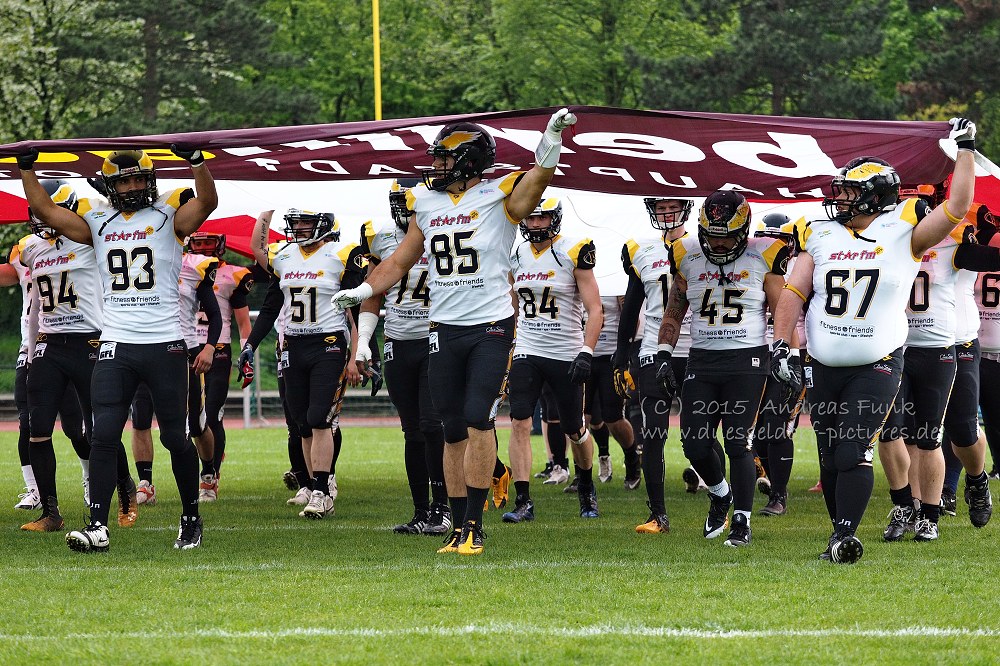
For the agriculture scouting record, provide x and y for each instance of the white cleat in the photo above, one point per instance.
(320, 505)
(29, 500)
(333, 486)
(145, 493)
(208, 489)
(604, 470)
(558, 475)
(91, 539)
(300, 498)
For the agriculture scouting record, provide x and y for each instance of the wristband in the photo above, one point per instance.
(794, 351)
(367, 322)
(586, 350)
(664, 347)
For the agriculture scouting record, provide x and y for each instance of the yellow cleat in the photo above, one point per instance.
(471, 539)
(501, 487)
(49, 523)
(451, 543)
(657, 524)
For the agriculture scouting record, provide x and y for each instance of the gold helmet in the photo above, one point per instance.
(725, 214)
(125, 164)
(551, 207)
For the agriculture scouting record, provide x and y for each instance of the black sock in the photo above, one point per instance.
(458, 505)
(415, 462)
(708, 469)
(434, 459)
(977, 481)
(104, 479)
(185, 467)
(81, 446)
(43, 462)
(220, 446)
(321, 481)
(499, 469)
(586, 479)
(720, 453)
(477, 500)
(654, 493)
(124, 477)
(601, 438)
(208, 467)
(931, 512)
(829, 480)
(854, 489)
(743, 476)
(902, 497)
(522, 492)
(557, 444)
(144, 468)
(779, 468)
(338, 440)
(631, 455)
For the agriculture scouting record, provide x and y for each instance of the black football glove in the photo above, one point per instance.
(785, 370)
(579, 369)
(192, 155)
(26, 160)
(376, 377)
(665, 378)
(245, 365)
(99, 185)
(621, 378)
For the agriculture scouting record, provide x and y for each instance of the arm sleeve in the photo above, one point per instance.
(976, 257)
(210, 306)
(269, 311)
(627, 324)
(238, 299)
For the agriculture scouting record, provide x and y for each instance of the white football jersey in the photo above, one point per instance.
(987, 294)
(966, 312)
(467, 239)
(931, 310)
(408, 302)
(309, 280)
(194, 268)
(64, 275)
(728, 304)
(139, 257)
(550, 316)
(607, 341)
(230, 279)
(24, 281)
(857, 313)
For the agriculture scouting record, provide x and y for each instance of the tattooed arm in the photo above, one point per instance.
(673, 314)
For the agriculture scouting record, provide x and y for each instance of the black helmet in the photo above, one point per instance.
(469, 145)
(397, 201)
(725, 214)
(872, 186)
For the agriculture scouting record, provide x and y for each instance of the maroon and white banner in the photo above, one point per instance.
(609, 150)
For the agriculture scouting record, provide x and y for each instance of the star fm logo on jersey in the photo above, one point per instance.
(116, 236)
(446, 220)
(930, 256)
(525, 277)
(731, 276)
(300, 275)
(53, 261)
(661, 263)
(854, 255)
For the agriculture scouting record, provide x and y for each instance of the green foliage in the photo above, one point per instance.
(269, 587)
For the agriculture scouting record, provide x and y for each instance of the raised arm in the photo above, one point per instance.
(939, 222)
(530, 188)
(64, 221)
(258, 238)
(196, 210)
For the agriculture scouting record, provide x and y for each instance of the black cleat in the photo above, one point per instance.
(980, 504)
(633, 475)
(739, 532)
(588, 504)
(949, 502)
(523, 512)
(718, 515)
(925, 530)
(846, 549)
(901, 521)
(438, 520)
(544, 474)
(189, 534)
(776, 505)
(416, 524)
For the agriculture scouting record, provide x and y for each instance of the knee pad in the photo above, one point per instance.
(175, 441)
(481, 425)
(455, 430)
(696, 448)
(305, 432)
(849, 455)
(318, 420)
(964, 435)
(737, 450)
(928, 444)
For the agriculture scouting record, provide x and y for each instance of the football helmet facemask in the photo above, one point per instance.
(725, 214)
(471, 148)
(124, 164)
(865, 186)
(667, 221)
(62, 194)
(397, 201)
(307, 227)
(553, 209)
(207, 244)
(780, 227)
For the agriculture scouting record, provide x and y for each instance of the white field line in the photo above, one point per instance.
(597, 630)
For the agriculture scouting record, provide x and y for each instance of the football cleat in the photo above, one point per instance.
(29, 500)
(657, 523)
(763, 483)
(573, 486)
(471, 540)
(604, 469)
(208, 489)
(189, 533)
(558, 475)
(994, 474)
(776, 505)
(845, 550)
(925, 530)
(145, 493)
(523, 512)
(739, 533)
(332, 486)
(818, 488)
(128, 504)
(86, 490)
(588, 504)
(949, 502)
(633, 475)
(290, 481)
(50, 522)
(692, 482)
(718, 515)
(438, 520)
(901, 520)
(451, 542)
(980, 504)
(501, 487)
(300, 498)
(320, 505)
(544, 474)
(416, 524)
(91, 539)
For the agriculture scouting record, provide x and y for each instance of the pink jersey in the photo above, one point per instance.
(232, 284)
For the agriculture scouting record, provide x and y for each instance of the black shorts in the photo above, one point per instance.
(601, 401)
(405, 363)
(60, 361)
(468, 374)
(917, 414)
(961, 419)
(314, 378)
(527, 376)
(849, 406)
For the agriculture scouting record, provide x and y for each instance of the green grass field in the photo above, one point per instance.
(269, 587)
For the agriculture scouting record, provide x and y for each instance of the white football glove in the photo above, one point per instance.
(547, 152)
(962, 129)
(348, 298)
(364, 355)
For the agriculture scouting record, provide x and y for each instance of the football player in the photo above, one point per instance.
(137, 235)
(310, 268)
(407, 306)
(467, 224)
(554, 281)
(859, 267)
(730, 278)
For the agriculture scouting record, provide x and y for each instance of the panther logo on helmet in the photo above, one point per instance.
(471, 148)
(865, 186)
(123, 164)
(553, 209)
(306, 227)
(668, 220)
(400, 212)
(207, 244)
(62, 194)
(724, 215)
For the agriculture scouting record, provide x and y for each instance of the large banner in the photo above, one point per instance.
(617, 151)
